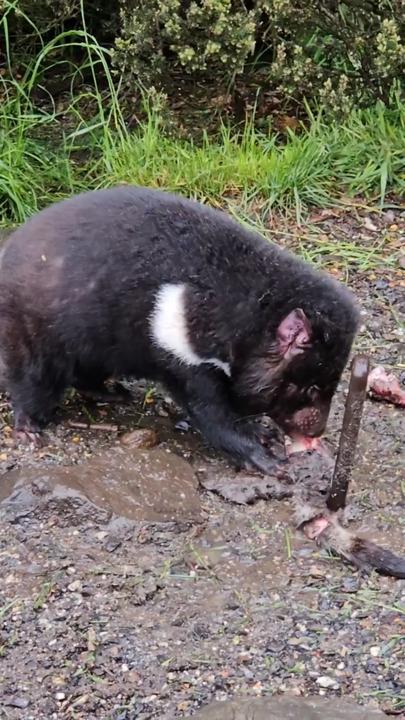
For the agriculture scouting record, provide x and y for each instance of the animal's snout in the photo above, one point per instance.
(310, 421)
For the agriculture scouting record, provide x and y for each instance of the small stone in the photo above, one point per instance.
(368, 223)
(101, 535)
(375, 651)
(182, 426)
(327, 682)
(75, 586)
(316, 571)
(58, 679)
(296, 641)
(60, 696)
(114, 651)
(183, 705)
(140, 438)
(350, 585)
(257, 688)
(134, 677)
(20, 702)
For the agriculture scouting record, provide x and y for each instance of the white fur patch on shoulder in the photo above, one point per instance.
(169, 328)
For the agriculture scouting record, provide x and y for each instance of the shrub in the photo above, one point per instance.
(209, 37)
(28, 24)
(338, 54)
(335, 53)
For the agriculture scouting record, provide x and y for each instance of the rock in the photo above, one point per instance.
(327, 682)
(75, 586)
(245, 489)
(21, 702)
(287, 708)
(368, 223)
(141, 438)
(151, 485)
(182, 426)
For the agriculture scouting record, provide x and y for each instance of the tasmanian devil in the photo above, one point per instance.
(133, 282)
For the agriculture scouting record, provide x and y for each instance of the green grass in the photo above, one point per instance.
(32, 174)
(46, 154)
(314, 167)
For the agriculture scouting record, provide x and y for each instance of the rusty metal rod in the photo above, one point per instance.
(336, 499)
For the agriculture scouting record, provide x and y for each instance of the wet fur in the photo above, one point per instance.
(78, 288)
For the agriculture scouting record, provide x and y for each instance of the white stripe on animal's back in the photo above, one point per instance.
(169, 328)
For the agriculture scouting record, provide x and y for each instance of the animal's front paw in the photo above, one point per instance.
(28, 437)
(27, 431)
(269, 464)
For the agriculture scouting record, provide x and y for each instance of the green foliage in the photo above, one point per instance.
(338, 54)
(31, 25)
(341, 54)
(39, 141)
(335, 53)
(212, 36)
(50, 148)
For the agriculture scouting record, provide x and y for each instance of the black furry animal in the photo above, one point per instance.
(141, 283)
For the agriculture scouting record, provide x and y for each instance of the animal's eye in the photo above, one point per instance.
(313, 390)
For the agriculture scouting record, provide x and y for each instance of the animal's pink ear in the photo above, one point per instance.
(293, 334)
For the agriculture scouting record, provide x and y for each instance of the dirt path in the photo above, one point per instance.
(131, 617)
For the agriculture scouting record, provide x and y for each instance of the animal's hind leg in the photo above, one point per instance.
(90, 382)
(34, 392)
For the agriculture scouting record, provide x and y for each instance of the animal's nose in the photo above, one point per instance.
(310, 421)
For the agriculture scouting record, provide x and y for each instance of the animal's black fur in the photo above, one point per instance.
(77, 288)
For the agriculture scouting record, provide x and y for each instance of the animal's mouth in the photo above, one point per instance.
(296, 443)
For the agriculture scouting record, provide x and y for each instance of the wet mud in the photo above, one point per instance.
(287, 709)
(142, 577)
(151, 485)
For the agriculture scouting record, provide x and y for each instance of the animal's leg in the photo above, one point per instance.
(35, 390)
(204, 394)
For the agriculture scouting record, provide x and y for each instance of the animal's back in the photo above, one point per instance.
(129, 227)
(90, 267)
(84, 273)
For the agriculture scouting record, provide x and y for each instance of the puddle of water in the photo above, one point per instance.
(285, 708)
(151, 485)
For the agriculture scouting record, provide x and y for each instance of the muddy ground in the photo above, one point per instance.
(129, 592)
